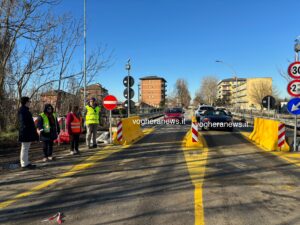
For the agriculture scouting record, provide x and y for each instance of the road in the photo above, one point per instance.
(149, 183)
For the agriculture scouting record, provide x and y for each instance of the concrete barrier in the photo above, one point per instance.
(131, 130)
(265, 133)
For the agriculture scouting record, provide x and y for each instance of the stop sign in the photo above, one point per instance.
(110, 102)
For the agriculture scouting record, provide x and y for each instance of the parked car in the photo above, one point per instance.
(201, 109)
(217, 119)
(176, 114)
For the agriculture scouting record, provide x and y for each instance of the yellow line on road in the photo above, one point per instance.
(87, 163)
(196, 158)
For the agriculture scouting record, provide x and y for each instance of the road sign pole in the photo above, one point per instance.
(269, 104)
(295, 128)
(110, 129)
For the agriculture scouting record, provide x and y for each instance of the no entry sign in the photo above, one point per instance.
(110, 102)
(294, 70)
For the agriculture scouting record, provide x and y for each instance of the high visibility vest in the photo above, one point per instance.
(92, 115)
(76, 124)
(46, 124)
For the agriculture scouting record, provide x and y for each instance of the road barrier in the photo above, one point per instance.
(266, 134)
(194, 131)
(119, 131)
(131, 131)
(281, 135)
(192, 138)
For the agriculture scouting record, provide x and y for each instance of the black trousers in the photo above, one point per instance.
(74, 140)
(48, 148)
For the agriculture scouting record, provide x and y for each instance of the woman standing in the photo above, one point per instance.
(74, 123)
(27, 132)
(48, 129)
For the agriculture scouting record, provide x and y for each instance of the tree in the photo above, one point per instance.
(260, 89)
(209, 89)
(36, 50)
(182, 94)
(198, 99)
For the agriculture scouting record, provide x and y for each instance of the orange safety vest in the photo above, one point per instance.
(76, 125)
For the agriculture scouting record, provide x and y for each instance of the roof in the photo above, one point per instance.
(232, 79)
(153, 78)
(54, 93)
(96, 86)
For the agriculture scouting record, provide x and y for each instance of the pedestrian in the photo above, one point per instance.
(48, 129)
(74, 123)
(92, 116)
(27, 132)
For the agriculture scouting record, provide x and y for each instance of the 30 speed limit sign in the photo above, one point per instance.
(294, 70)
(293, 88)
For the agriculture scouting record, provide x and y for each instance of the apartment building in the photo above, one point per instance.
(250, 94)
(226, 87)
(152, 91)
(244, 93)
(95, 91)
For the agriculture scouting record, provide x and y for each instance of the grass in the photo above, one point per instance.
(8, 138)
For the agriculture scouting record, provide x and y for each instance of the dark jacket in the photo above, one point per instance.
(27, 131)
(54, 127)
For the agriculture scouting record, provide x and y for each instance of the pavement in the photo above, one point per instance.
(158, 181)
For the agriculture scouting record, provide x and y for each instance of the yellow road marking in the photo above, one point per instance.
(87, 163)
(196, 159)
(292, 157)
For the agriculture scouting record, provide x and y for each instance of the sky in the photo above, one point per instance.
(183, 39)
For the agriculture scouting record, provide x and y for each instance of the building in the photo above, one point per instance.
(94, 91)
(226, 87)
(245, 93)
(249, 95)
(57, 98)
(152, 91)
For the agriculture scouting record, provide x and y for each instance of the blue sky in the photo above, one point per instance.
(182, 39)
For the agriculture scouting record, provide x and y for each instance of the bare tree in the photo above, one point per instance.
(209, 89)
(37, 48)
(198, 98)
(181, 93)
(260, 89)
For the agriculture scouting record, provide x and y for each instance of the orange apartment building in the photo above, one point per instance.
(152, 91)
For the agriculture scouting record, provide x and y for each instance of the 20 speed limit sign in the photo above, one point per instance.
(294, 70)
(293, 88)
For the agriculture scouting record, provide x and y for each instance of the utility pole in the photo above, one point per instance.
(84, 52)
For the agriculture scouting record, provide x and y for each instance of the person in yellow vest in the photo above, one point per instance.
(74, 124)
(92, 117)
(48, 129)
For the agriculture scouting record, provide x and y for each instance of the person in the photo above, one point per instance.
(74, 123)
(27, 132)
(92, 112)
(48, 129)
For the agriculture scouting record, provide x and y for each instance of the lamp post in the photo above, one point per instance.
(235, 77)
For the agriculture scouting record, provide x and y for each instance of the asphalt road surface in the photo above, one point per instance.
(149, 184)
(244, 185)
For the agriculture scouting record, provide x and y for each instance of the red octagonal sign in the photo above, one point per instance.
(110, 102)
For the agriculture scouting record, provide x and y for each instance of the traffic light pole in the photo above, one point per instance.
(128, 67)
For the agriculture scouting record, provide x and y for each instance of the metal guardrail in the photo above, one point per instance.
(288, 120)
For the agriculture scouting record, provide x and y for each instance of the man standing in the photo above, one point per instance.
(92, 112)
(27, 132)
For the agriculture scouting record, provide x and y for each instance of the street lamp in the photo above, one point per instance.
(235, 77)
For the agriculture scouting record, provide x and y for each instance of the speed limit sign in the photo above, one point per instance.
(293, 88)
(294, 70)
